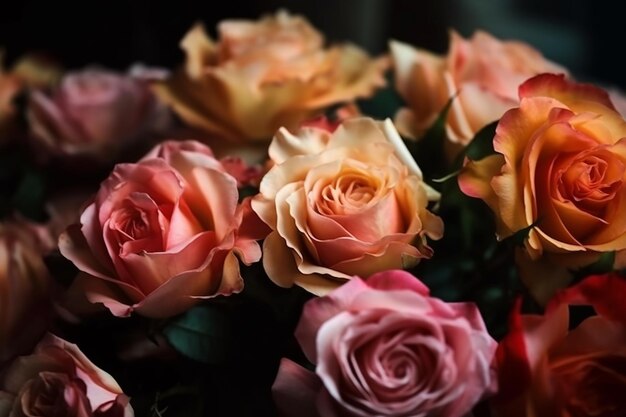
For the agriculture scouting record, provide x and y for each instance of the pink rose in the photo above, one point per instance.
(59, 380)
(484, 71)
(24, 290)
(384, 347)
(550, 367)
(350, 202)
(163, 233)
(95, 112)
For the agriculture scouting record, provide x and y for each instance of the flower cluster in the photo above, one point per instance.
(235, 237)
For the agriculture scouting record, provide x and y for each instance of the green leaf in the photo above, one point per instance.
(447, 177)
(482, 144)
(518, 238)
(29, 197)
(437, 130)
(384, 103)
(202, 334)
(247, 191)
(603, 265)
(428, 151)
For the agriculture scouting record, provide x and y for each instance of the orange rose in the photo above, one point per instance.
(484, 71)
(24, 289)
(548, 370)
(262, 75)
(561, 165)
(163, 233)
(340, 204)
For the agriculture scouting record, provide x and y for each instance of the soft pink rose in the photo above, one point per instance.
(483, 72)
(343, 203)
(163, 233)
(330, 122)
(24, 289)
(384, 347)
(245, 174)
(96, 113)
(58, 380)
(550, 367)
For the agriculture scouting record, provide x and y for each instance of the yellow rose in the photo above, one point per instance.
(262, 75)
(343, 203)
(561, 165)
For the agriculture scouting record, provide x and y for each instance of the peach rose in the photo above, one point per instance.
(58, 380)
(163, 233)
(561, 166)
(550, 368)
(384, 347)
(346, 203)
(95, 113)
(484, 71)
(262, 75)
(24, 290)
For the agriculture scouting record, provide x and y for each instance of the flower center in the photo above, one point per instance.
(591, 181)
(54, 394)
(347, 194)
(138, 225)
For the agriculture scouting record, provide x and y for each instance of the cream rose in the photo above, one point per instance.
(340, 204)
(262, 75)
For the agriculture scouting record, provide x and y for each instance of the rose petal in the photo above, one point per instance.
(295, 390)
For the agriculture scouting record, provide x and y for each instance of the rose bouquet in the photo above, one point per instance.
(237, 237)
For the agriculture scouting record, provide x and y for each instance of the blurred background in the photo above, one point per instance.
(582, 35)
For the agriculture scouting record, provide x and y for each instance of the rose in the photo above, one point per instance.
(262, 75)
(550, 367)
(29, 71)
(384, 347)
(163, 233)
(481, 73)
(10, 86)
(24, 289)
(339, 204)
(59, 380)
(95, 113)
(619, 100)
(63, 209)
(560, 168)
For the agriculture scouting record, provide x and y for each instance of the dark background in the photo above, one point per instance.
(585, 36)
